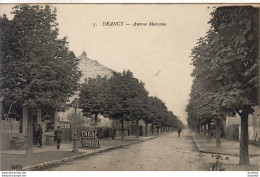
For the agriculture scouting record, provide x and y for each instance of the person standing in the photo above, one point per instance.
(113, 133)
(57, 134)
(39, 135)
(179, 133)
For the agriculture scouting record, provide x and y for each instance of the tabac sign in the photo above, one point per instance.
(89, 134)
(89, 139)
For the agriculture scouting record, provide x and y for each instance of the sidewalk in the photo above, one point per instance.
(49, 155)
(230, 149)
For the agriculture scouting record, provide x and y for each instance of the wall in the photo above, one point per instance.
(232, 132)
(6, 139)
(253, 126)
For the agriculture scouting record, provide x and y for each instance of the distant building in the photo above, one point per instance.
(233, 126)
(92, 68)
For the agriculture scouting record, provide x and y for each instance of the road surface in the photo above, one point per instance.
(168, 153)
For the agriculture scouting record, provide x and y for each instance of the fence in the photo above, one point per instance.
(10, 126)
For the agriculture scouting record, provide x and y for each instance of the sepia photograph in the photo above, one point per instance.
(129, 87)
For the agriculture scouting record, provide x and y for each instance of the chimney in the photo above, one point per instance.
(84, 54)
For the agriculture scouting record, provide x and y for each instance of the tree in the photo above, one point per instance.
(159, 111)
(126, 98)
(37, 68)
(203, 88)
(231, 66)
(149, 113)
(123, 97)
(93, 98)
(238, 32)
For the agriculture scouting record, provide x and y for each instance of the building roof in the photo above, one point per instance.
(92, 68)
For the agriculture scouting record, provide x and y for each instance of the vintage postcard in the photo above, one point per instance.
(129, 87)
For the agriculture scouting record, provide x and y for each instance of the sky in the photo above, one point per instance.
(157, 55)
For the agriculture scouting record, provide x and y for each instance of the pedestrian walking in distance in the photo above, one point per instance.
(179, 133)
(113, 134)
(39, 135)
(57, 134)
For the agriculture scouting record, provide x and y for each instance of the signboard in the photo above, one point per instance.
(88, 134)
(89, 139)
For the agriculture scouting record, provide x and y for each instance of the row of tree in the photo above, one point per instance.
(226, 71)
(123, 97)
(38, 70)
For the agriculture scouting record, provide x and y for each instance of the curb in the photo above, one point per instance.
(221, 153)
(196, 144)
(57, 162)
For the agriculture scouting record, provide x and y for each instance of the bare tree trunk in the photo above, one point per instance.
(204, 131)
(29, 138)
(157, 127)
(122, 129)
(152, 128)
(209, 133)
(218, 141)
(128, 128)
(70, 132)
(145, 134)
(95, 124)
(244, 159)
(137, 130)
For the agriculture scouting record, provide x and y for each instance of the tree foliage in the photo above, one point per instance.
(226, 69)
(93, 96)
(124, 97)
(37, 68)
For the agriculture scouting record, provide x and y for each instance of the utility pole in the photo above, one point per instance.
(75, 104)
